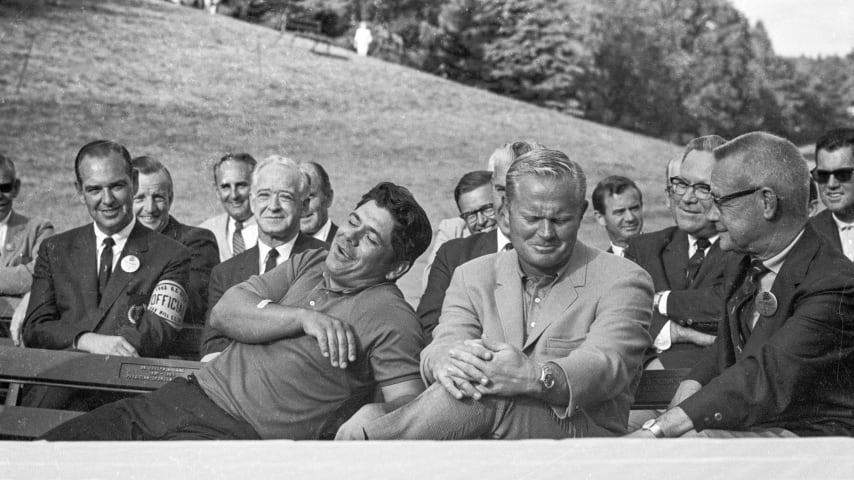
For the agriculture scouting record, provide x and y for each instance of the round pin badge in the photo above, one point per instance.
(135, 313)
(766, 304)
(130, 263)
(10, 246)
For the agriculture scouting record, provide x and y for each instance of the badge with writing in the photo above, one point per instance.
(169, 302)
(135, 313)
(766, 304)
(130, 263)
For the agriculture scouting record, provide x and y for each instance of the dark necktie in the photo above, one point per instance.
(507, 247)
(237, 245)
(696, 260)
(742, 303)
(270, 263)
(106, 267)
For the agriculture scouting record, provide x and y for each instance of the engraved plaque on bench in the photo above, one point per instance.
(153, 373)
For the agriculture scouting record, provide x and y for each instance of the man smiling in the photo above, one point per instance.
(151, 206)
(547, 338)
(235, 230)
(311, 334)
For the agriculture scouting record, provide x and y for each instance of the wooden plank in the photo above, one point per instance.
(656, 388)
(22, 423)
(84, 370)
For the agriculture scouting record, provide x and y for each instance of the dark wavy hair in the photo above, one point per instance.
(412, 233)
(100, 149)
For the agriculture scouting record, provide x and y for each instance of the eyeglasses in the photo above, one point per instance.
(731, 196)
(7, 187)
(680, 187)
(471, 216)
(823, 176)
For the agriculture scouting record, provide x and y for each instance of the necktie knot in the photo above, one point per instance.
(703, 243)
(507, 247)
(270, 263)
(108, 242)
(756, 271)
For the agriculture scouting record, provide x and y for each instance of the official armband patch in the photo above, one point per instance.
(169, 302)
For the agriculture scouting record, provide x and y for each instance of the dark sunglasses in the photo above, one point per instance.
(823, 176)
(7, 187)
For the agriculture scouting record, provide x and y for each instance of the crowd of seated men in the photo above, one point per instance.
(522, 331)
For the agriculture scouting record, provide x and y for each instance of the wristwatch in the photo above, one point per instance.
(653, 427)
(547, 377)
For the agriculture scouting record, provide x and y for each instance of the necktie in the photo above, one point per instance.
(697, 259)
(742, 300)
(507, 247)
(270, 263)
(106, 267)
(237, 245)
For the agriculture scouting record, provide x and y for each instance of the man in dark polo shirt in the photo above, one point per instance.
(311, 334)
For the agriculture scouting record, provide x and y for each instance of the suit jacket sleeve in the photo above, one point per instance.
(153, 334)
(760, 386)
(611, 355)
(42, 326)
(204, 255)
(212, 339)
(18, 279)
(430, 305)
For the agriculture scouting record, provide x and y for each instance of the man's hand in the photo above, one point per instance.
(460, 369)
(334, 337)
(680, 334)
(685, 390)
(106, 345)
(640, 433)
(510, 372)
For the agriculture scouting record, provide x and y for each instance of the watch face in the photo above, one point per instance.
(547, 377)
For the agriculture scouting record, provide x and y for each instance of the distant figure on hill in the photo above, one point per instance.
(363, 39)
(151, 206)
(235, 230)
(316, 221)
(618, 207)
(20, 238)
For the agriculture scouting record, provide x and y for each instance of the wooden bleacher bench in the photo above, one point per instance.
(64, 368)
(307, 28)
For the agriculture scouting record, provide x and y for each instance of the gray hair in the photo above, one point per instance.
(770, 161)
(304, 180)
(546, 164)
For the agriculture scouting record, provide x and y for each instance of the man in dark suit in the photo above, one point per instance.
(113, 287)
(834, 165)
(618, 207)
(151, 206)
(686, 264)
(279, 236)
(316, 221)
(454, 253)
(781, 363)
(20, 238)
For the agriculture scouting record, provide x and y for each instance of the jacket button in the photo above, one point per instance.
(690, 321)
(718, 416)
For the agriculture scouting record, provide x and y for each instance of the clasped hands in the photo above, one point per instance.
(473, 368)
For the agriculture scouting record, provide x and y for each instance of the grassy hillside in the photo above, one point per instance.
(186, 87)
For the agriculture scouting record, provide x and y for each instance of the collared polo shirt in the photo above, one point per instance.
(286, 388)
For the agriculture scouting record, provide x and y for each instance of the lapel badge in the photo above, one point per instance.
(10, 246)
(766, 304)
(130, 263)
(135, 313)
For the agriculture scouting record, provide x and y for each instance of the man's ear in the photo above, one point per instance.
(329, 199)
(80, 196)
(134, 178)
(770, 206)
(305, 202)
(599, 218)
(398, 270)
(583, 208)
(16, 188)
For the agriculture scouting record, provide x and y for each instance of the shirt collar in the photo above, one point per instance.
(692, 240)
(6, 219)
(617, 250)
(120, 237)
(840, 223)
(324, 230)
(502, 240)
(327, 285)
(284, 250)
(776, 262)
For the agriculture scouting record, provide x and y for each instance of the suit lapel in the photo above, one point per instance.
(83, 259)
(674, 259)
(11, 246)
(715, 255)
(251, 264)
(508, 297)
(137, 245)
(563, 293)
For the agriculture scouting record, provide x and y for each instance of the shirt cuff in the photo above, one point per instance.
(663, 342)
(662, 302)
(209, 357)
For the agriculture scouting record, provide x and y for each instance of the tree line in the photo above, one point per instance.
(672, 69)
